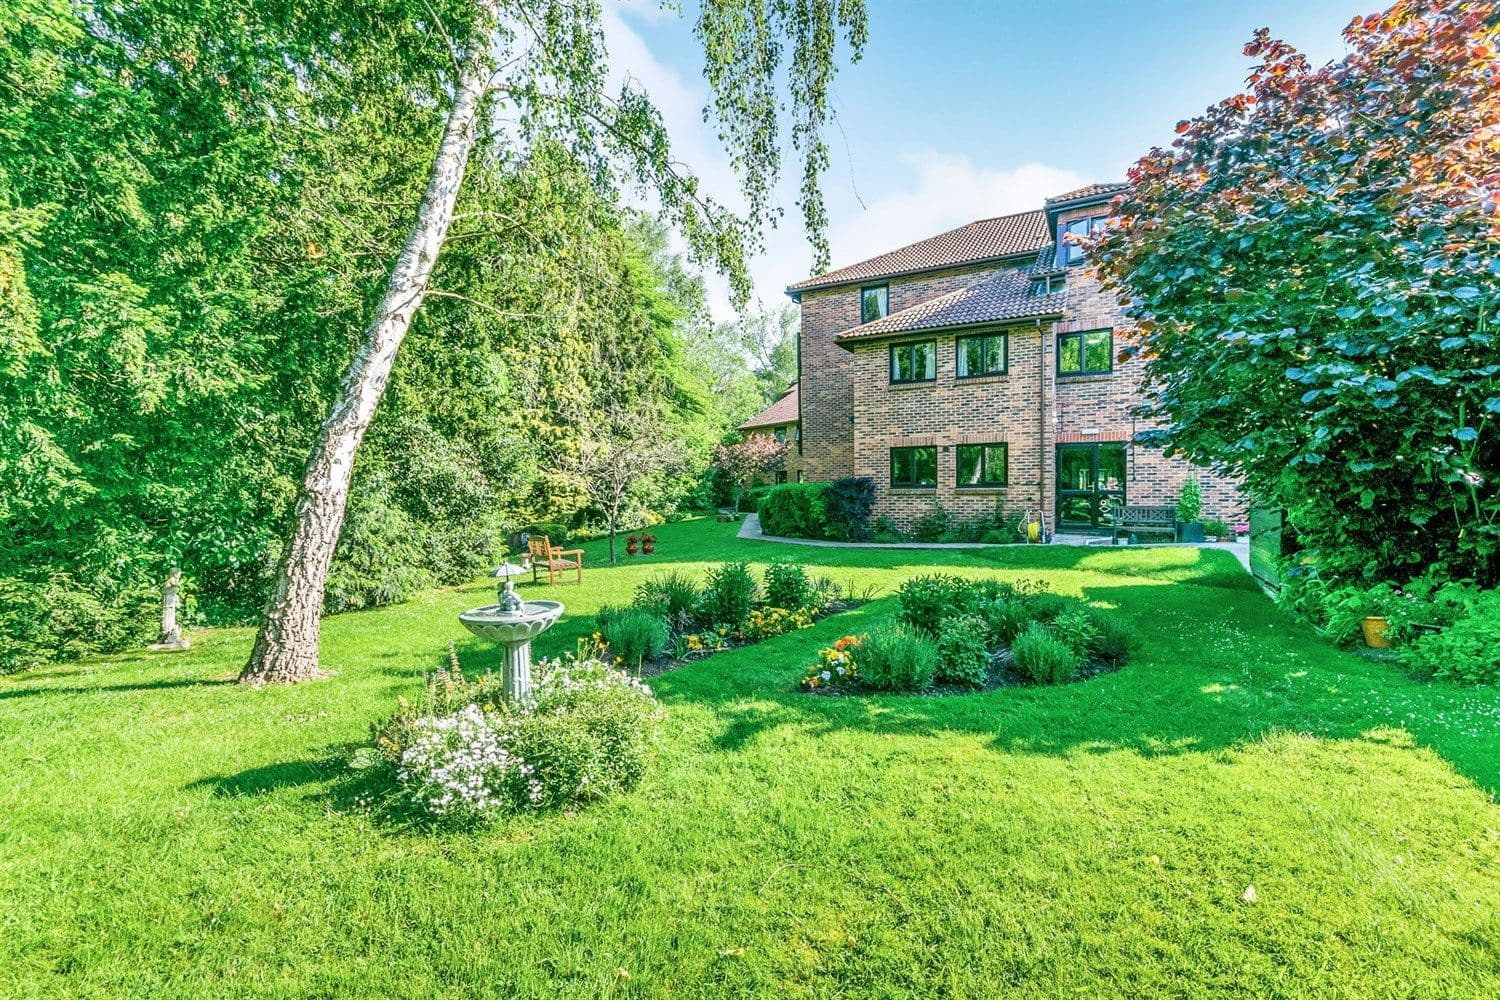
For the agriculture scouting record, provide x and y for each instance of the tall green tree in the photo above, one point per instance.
(201, 211)
(1313, 272)
(548, 65)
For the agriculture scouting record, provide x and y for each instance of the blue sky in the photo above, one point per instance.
(960, 111)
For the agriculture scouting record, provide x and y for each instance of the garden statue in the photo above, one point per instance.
(171, 637)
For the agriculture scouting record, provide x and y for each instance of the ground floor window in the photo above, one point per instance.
(982, 465)
(914, 467)
(1090, 484)
(780, 478)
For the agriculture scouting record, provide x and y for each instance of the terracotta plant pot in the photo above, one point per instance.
(648, 547)
(1374, 629)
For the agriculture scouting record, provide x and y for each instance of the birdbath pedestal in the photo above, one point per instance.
(513, 629)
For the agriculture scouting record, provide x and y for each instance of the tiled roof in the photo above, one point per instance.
(783, 411)
(1089, 191)
(1003, 298)
(1048, 262)
(987, 239)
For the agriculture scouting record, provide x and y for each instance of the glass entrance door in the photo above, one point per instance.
(1090, 483)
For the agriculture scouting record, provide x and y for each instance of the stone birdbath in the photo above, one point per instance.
(513, 623)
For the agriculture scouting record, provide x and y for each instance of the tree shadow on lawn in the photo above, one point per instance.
(160, 685)
(318, 770)
(1214, 671)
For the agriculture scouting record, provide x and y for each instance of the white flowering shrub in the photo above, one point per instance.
(461, 768)
(585, 735)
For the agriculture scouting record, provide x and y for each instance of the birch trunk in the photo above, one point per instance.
(286, 650)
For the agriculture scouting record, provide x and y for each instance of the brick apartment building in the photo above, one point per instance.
(781, 421)
(975, 367)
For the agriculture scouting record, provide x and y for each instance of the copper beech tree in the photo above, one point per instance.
(1312, 271)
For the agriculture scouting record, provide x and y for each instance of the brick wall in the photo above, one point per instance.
(1098, 408)
(825, 370)
(948, 412)
(792, 464)
(852, 415)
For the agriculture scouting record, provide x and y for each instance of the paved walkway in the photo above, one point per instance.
(750, 529)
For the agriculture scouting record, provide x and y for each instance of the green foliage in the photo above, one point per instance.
(585, 737)
(962, 656)
(1004, 620)
(60, 620)
(933, 525)
(1189, 501)
(1466, 652)
(1217, 528)
(1323, 322)
(728, 593)
(897, 658)
(787, 586)
(1077, 628)
(1042, 656)
(795, 510)
(849, 502)
(995, 528)
(635, 634)
(1113, 641)
(1048, 607)
(673, 596)
(927, 600)
(199, 204)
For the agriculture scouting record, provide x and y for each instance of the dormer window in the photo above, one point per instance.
(1079, 229)
(874, 303)
(1049, 284)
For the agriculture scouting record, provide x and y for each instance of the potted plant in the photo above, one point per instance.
(1374, 628)
(1216, 530)
(648, 543)
(1189, 507)
(631, 545)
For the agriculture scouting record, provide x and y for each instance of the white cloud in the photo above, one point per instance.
(926, 191)
(937, 192)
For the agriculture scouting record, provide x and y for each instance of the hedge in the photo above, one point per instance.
(795, 510)
(839, 511)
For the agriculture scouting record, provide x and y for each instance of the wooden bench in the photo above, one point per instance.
(1137, 517)
(553, 558)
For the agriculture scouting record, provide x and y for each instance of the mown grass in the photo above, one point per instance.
(166, 833)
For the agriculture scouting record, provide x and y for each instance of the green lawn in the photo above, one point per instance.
(166, 833)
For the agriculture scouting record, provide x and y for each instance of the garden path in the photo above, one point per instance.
(750, 530)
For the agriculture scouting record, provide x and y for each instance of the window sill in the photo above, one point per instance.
(981, 379)
(919, 490)
(1084, 379)
(924, 384)
(967, 490)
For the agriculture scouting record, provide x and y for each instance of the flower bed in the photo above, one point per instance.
(955, 636)
(675, 618)
(466, 756)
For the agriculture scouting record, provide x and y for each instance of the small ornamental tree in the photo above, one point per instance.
(618, 465)
(1313, 276)
(757, 455)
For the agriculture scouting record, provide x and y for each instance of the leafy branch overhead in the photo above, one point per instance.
(1313, 274)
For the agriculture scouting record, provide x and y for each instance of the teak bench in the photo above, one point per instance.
(553, 558)
(1135, 517)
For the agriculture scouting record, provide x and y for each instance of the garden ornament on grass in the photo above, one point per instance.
(171, 638)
